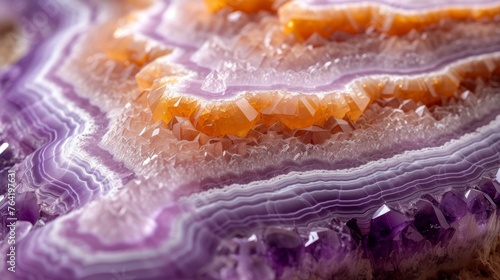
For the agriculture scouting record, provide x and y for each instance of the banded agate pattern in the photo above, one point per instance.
(216, 139)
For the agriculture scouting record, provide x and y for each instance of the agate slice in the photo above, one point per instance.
(216, 139)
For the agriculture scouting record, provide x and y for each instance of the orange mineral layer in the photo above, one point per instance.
(125, 48)
(246, 6)
(237, 116)
(303, 21)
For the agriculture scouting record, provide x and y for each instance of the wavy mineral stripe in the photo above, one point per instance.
(19, 138)
(172, 96)
(346, 192)
(300, 198)
(438, 47)
(154, 128)
(381, 133)
(359, 148)
(254, 51)
(174, 237)
(63, 168)
(242, 59)
(303, 19)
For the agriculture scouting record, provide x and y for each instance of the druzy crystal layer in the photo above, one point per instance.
(249, 139)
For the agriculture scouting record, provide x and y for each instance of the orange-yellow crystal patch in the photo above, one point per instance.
(296, 110)
(124, 47)
(303, 21)
(166, 103)
(228, 117)
(159, 68)
(246, 6)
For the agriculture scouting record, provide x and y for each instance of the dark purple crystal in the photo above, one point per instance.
(480, 205)
(385, 226)
(412, 240)
(453, 206)
(491, 188)
(284, 248)
(323, 243)
(431, 223)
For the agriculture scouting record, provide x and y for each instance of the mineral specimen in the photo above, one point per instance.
(249, 139)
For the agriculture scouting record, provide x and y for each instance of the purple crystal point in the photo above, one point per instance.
(386, 224)
(284, 248)
(453, 206)
(323, 243)
(355, 232)
(492, 188)
(412, 239)
(349, 239)
(480, 205)
(431, 223)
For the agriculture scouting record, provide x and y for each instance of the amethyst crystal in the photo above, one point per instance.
(431, 223)
(172, 139)
(453, 206)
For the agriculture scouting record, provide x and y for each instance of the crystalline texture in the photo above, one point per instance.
(249, 139)
(431, 223)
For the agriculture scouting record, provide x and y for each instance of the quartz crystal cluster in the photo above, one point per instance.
(270, 139)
